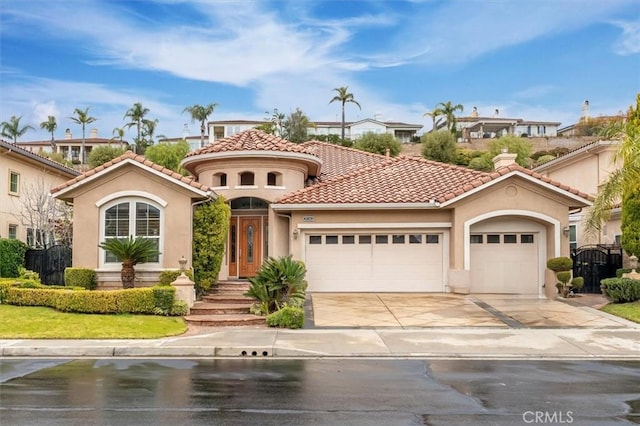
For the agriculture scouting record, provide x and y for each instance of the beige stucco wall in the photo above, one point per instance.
(513, 198)
(293, 175)
(175, 226)
(32, 175)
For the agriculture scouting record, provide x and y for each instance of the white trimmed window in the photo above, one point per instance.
(137, 217)
(14, 183)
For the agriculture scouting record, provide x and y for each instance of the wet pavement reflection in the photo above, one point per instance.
(348, 391)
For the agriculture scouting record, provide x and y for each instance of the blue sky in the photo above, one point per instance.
(531, 59)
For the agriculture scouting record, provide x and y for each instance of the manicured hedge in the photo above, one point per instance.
(6, 283)
(150, 300)
(11, 257)
(80, 277)
(621, 290)
(287, 317)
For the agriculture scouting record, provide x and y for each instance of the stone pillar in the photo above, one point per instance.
(185, 289)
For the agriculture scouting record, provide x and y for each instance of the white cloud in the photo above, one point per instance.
(629, 41)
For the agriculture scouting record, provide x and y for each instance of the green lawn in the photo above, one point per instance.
(630, 311)
(27, 322)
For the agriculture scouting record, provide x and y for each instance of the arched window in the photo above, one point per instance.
(247, 179)
(220, 179)
(274, 179)
(131, 217)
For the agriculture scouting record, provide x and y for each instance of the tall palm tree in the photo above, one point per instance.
(83, 118)
(343, 97)
(11, 129)
(136, 114)
(623, 183)
(118, 133)
(148, 133)
(434, 114)
(449, 111)
(130, 252)
(50, 126)
(200, 113)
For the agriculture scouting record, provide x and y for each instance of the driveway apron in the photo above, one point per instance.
(417, 310)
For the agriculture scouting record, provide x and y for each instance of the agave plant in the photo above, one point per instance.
(279, 282)
(130, 252)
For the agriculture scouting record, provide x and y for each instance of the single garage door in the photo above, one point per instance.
(374, 262)
(506, 262)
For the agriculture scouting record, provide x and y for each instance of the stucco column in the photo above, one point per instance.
(185, 288)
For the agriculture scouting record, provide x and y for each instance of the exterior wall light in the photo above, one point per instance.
(295, 234)
(565, 231)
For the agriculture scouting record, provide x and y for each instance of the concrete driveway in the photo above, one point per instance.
(416, 310)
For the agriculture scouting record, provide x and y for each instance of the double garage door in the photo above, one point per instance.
(393, 261)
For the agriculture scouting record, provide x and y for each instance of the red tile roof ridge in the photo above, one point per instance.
(343, 148)
(129, 155)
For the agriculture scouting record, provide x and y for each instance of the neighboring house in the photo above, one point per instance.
(69, 147)
(353, 130)
(361, 222)
(476, 127)
(21, 173)
(585, 168)
(193, 141)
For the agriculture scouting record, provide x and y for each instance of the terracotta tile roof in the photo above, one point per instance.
(338, 160)
(393, 180)
(251, 140)
(405, 180)
(135, 157)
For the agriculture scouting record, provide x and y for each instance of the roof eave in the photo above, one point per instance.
(354, 206)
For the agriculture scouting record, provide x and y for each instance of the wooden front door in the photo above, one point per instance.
(250, 244)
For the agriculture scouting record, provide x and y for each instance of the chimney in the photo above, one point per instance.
(474, 113)
(504, 159)
(185, 131)
(496, 112)
(93, 134)
(67, 134)
(585, 110)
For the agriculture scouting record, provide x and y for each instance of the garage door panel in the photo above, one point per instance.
(505, 263)
(375, 267)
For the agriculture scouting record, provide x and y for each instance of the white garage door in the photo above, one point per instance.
(374, 262)
(506, 262)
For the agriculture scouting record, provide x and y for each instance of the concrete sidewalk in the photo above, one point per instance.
(472, 343)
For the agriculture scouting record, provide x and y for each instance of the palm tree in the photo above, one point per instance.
(449, 111)
(200, 113)
(118, 133)
(623, 183)
(136, 115)
(148, 132)
(295, 126)
(11, 129)
(343, 97)
(83, 118)
(434, 114)
(130, 252)
(50, 126)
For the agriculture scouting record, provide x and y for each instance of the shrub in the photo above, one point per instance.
(621, 290)
(179, 308)
(577, 283)
(135, 301)
(439, 146)
(102, 154)
(558, 264)
(163, 297)
(168, 276)
(287, 317)
(210, 228)
(379, 143)
(80, 277)
(278, 282)
(11, 257)
(28, 275)
(622, 271)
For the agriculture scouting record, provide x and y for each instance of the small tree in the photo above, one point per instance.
(439, 146)
(169, 155)
(103, 154)
(296, 126)
(562, 267)
(130, 252)
(379, 143)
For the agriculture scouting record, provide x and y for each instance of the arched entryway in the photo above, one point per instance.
(248, 236)
(506, 252)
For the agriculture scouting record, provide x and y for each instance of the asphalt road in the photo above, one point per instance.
(323, 392)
